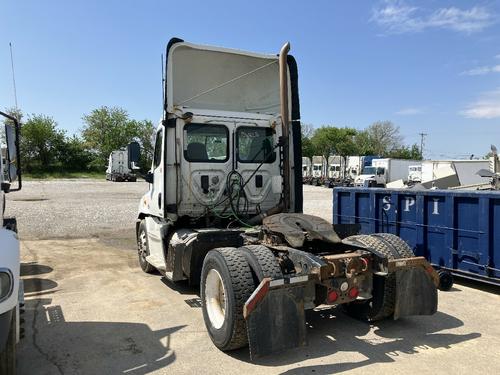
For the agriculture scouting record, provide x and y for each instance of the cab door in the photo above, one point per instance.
(157, 191)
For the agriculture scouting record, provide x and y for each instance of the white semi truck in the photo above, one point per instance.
(11, 290)
(306, 169)
(120, 168)
(224, 209)
(414, 174)
(318, 170)
(384, 171)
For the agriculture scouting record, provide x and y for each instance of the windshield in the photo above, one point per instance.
(317, 167)
(369, 170)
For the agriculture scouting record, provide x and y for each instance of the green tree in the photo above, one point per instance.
(73, 156)
(331, 140)
(107, 129)
(146, 133)
(40, 143)
(406, 152)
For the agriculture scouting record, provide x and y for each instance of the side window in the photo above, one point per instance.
(158, 144)
(255, 145)
(206, 143)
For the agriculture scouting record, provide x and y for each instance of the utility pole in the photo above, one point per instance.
(422, 142)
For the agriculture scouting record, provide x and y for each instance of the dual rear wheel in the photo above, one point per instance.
(228, 278)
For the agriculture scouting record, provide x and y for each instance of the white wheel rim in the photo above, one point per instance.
(215, 298)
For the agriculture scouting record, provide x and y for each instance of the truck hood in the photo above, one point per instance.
(206, 77)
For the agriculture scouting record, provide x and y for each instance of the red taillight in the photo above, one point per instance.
(332, 296)
(353, 293)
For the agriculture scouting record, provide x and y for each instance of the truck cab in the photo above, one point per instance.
(371, 177)
(11, 290)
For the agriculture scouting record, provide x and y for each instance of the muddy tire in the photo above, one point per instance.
(381, 305)
(143, 248)
(226, 284)
(8, 355)
(262, 262)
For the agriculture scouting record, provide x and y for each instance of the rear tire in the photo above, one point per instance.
(226, 284)
(8, 355)
(143, 248)
(381, 305)
(262, 262)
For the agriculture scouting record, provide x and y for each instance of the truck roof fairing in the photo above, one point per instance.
(215, 78)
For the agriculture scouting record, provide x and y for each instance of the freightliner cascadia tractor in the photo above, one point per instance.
(224, 209)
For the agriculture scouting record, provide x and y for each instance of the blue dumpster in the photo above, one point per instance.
(457, 231)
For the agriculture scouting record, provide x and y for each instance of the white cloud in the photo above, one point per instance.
(396, 17)
(481, 70)
(487, 106)
(497, 56)
(410, 111)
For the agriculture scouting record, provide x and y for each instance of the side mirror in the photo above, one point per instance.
(12, 152)
(149, 177)
(134, 154)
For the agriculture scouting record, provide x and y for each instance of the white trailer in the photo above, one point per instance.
(119, 168)
(11, 288)
(384, 171)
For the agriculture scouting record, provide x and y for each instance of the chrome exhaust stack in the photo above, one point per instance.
(285, 113)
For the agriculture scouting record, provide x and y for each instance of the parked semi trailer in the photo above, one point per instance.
(456, 231)
(224, 209)
(11, 287)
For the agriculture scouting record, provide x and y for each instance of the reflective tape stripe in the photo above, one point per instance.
(299, 279)
(276, 282)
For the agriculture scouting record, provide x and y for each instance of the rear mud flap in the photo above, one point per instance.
(416, 293)
(275, 318)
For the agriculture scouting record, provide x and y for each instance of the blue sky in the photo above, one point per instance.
(428, 66)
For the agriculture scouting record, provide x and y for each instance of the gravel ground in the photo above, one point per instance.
(93, 208)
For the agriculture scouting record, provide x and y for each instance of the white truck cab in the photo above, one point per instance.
(11, 291)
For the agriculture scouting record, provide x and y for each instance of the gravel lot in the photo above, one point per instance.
(91, 310)
(92, 208)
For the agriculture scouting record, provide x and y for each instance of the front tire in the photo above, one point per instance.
(143, 248)
(226, 284)
(8, 355)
